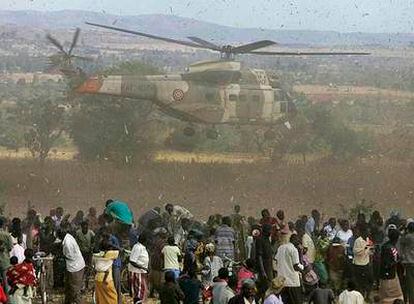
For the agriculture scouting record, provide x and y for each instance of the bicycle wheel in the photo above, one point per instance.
(93, 297)
(125, 288)
(42, 285)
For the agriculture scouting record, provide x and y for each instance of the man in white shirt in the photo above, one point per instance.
(345, 233)
(350, 295)
(172, 257)
(75, 266)
(288, 266)
(362, 273)
(17, 251)
(222, 293)
(138, 269)
(330, 228)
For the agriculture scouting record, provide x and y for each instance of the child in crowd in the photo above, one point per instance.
(322, 295)
(191, 287)
(170, 292)
(350, 295)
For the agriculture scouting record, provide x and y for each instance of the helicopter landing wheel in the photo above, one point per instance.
(212, 133)
(189, 131)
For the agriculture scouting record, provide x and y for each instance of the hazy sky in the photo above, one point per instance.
(339, 15)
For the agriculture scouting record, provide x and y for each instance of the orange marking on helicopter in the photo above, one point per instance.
(92, 85)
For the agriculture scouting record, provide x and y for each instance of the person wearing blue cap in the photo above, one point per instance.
(120, 211)
(122, 220)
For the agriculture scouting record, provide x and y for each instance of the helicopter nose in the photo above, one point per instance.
(91, 85)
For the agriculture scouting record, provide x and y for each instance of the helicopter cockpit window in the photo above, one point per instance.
(233, 97)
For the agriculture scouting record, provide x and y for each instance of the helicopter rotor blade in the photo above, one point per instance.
(246, 48)
(185, 43)
(205, 43)
(74, 41)
(55, 43)
(311, 53)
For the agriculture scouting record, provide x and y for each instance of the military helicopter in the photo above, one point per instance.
(210, 93)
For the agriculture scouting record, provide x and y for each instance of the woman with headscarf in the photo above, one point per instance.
(211, 266)
(105, 291)
(390, 288)
(16, 232)
(273, 294)
(22, 279)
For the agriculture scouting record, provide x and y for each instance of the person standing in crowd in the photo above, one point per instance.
(267, 219)
(322, 295)
(77, 221)
(169, 219)
(245, 272)
(335, 259)
(264, 259)
(211, 266)
(138, 269)
(247, 295)
(312, 225)
(361, 224)
(182, 231)
(16, 233)
(17, 251)
(47, 235)
(191, 287)
(344, 233)
(308, 245)
(190, 255)
(75, 266)
(407, 257)
(58, 217)
(273, 294)
(350, 295)
(157, 260)
(330, 228)
(390, 288)
(289, 266)
(85, 238)
(21, 278)
(30, 227)
(222, 293)
(280, 232)
(170, 292)
(362, 271)
(120, 219)
(238, 224)
(117, 265)
(6, 246)
(225, 239)
(105, 292)
(92, 219)
(18, 240)
(172, 257)
(376, 228)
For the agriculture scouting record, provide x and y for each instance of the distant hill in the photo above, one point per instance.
(179, 27)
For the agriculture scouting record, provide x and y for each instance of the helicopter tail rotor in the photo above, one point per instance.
(63, 59)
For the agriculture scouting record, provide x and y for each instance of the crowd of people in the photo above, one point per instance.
(171, 256)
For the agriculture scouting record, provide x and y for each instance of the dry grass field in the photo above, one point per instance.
(207, 188)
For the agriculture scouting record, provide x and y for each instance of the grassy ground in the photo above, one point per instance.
(207, 188)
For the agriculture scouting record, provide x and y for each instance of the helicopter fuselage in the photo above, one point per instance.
(210, 93)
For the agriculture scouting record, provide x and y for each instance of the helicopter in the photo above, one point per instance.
(210, 93)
